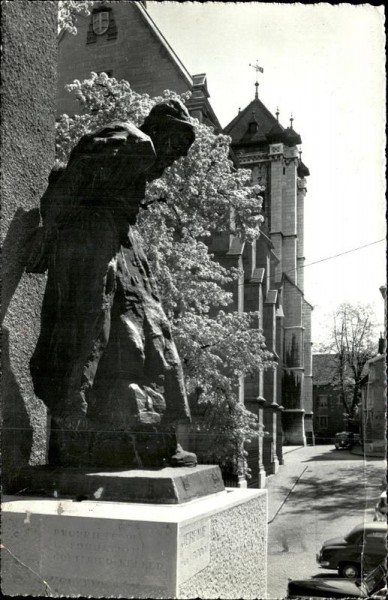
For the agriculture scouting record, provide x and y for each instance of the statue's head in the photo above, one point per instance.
(172, 134)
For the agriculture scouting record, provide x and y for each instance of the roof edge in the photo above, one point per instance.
(178, 63)
(245, 110)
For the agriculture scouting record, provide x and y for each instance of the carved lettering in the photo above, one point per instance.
(194, 535)
(194, 542)
(107, 551)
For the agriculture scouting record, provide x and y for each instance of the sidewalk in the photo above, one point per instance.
(280, 485)
(288, 449)
(368, 450)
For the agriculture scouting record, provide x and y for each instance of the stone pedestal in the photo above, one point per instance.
(152, 486)
(209, 548)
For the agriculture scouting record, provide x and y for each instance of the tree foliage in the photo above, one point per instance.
(353, 343)
(69, 10)
(194, 199)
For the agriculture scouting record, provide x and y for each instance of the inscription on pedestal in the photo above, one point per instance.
(194, 549)
(108, 551)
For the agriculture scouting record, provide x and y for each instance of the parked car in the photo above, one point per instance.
(346, 440)
(365, 546)
(371, 586)
(381, 508)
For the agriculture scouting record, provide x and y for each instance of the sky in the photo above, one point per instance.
(325, 65)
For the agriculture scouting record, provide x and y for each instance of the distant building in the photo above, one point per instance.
(328, 408)
(374, 399)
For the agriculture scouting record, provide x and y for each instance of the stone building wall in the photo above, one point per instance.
(374, 404)
(28, 127)
(308, 376)
(135, 55)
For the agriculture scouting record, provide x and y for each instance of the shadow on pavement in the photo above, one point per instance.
(354, 490)
(338, 455)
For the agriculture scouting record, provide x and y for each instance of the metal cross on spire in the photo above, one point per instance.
(258, 70)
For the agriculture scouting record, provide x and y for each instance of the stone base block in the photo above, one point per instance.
(213, 547)
(170, 485)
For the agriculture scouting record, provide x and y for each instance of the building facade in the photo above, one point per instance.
(328, 409)
(374, 398)
(121, 40)
(273, 278)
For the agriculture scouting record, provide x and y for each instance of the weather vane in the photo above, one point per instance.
(258, 70)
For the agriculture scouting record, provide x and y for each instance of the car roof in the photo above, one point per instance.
(373, 526)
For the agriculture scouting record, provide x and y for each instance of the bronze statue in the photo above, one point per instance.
(105, 364)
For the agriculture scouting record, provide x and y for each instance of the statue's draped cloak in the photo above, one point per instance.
(103, 327)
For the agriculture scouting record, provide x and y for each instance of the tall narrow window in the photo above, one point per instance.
(323, 422)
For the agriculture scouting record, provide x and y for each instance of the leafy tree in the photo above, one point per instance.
(194, 199)
(353, 344)
(68, 11)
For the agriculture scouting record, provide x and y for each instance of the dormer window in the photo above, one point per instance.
(100, 22)
(253, 127)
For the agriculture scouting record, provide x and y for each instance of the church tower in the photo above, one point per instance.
(273, 278)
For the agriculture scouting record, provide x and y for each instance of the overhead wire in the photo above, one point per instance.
(331, 257)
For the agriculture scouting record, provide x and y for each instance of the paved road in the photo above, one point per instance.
(326, 493)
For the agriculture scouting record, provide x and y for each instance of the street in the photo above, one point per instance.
(319, 493)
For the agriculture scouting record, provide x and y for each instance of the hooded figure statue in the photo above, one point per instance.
(105, 364)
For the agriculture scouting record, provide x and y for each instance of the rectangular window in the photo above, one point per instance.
(322, 400)
(323, 422)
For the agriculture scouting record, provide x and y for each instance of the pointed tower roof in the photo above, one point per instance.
(256, 125)
(241, 126)
(291, 137)
(302, 170)
(275, 134)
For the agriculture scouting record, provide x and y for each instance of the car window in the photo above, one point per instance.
(354, 536)
(375, 539)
